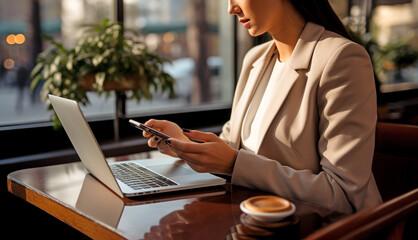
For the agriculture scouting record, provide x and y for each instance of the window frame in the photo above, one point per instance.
(41, 143)
(41, 138)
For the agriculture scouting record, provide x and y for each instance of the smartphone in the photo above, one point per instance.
(148, 129)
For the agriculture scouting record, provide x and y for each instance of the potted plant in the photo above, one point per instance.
(103, 59)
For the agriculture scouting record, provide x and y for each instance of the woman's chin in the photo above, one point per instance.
(254, 32)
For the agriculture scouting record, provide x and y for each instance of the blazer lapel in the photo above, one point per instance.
(254, 77)
(287, 81)
(300, 60)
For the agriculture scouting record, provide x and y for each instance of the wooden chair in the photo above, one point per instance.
(385, 221)
(395, 163)
(395, 167)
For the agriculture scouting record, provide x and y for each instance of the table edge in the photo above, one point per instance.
(61, 211)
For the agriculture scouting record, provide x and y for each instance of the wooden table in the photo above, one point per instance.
(73, 196)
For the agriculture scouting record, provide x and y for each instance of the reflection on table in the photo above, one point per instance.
(74, 196)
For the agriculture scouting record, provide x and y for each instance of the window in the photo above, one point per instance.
(175, 29)
(394, 28)
(170, 27)
(21, 24)
(388, 30)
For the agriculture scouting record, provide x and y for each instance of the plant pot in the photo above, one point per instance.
(132, 82)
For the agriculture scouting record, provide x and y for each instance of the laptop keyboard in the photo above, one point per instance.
(138, 177)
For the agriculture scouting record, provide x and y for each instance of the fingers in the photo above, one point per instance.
(211, 156)
(181, 146)
(153, 141)
(166, 127)
(201, 136)
(152, 123)
(164, 148)
(169, 128)
(147, 134)
(156, 142)
(192, 153)
(157, 124)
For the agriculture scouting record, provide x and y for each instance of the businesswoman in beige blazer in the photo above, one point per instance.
(303, 117)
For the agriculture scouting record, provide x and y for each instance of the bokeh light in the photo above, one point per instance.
(11, 39)
(9, 63)
(168, 37)
(16, 39)
(20, 38)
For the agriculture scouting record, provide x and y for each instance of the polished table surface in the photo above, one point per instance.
(71, 194)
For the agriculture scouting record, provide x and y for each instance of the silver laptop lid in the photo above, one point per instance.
(83, 140)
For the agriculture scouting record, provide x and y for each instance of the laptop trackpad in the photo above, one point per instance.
(171, 170)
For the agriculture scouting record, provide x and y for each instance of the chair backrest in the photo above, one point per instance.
(371, 223)
(395, 168)
(395, 163)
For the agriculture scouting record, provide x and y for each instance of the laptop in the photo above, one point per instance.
(127, 178)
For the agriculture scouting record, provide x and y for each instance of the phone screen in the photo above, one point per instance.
(148, 129)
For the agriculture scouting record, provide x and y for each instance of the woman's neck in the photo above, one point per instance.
(286, 37)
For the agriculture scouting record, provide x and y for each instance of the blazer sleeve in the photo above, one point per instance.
(346, 104)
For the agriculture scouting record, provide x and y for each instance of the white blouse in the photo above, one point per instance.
(257, 109)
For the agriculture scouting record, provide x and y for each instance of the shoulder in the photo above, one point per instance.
(332, 44)
(316, 46)
(338, 62)
(342, 65)
(337, 55)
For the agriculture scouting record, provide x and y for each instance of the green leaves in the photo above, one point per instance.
(100, 79)
(105, 52)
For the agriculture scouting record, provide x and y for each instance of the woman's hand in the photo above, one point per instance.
(167, 127)
(213, 155)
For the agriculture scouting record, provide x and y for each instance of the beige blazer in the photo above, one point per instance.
(318, 137)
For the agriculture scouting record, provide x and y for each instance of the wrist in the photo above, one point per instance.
(234, 158)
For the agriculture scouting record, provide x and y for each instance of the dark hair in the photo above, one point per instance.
(321, 12)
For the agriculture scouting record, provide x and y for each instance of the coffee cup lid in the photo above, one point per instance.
(267, 208)
(267, 204)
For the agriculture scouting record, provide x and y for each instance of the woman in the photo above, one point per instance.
(303, 118)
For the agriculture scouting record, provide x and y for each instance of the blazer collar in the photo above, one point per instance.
(305, 46)
(301, 58)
